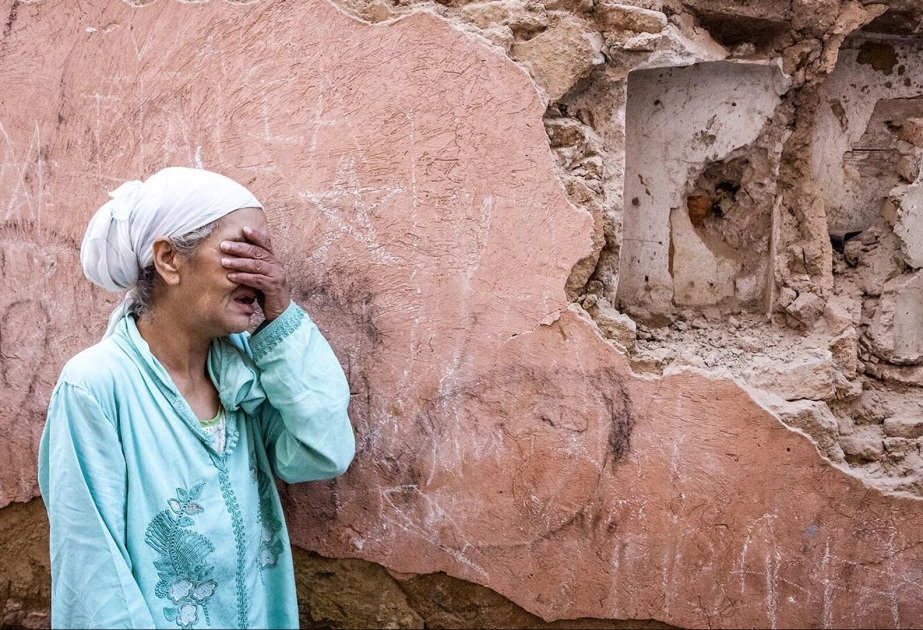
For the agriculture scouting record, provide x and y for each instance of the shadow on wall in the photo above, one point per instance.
(332, 593)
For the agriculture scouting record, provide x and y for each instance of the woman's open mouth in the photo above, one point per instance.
(246, 301)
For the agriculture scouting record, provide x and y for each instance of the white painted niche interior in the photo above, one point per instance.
(695, 232)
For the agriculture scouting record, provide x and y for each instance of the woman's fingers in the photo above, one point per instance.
(253, 280)
(258, 238)
(246, 250)
(252, 264)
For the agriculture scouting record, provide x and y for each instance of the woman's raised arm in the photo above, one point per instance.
(306, 431)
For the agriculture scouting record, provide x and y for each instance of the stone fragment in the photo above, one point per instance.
(815, 419)
(580, 193)
(561, 55)
(907, 426)
(845, 350)
(880, 261)
(871, 408)
(611, 16)
(651, 361)
(911, 132)
(787, 295)
(847, 388)
(750, 344)
(377, 11)
(566, 132)
(712, 314)
(889, 209)
(899, 447)
(681, 42)
(852, 249)
(590, 168)
(811, 376)
(615, 326)
(909, 225)
(814, 17)
(800, 54)
(772, 11)
(575, 6)
(866, 445)
(806, 309)
(896, 332)
(525, 18)
(500, 35)
(907, 375)
(840, 313)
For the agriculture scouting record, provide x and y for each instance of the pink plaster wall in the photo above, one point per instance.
(410, 186)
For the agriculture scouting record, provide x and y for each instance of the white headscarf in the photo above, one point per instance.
(119, 241)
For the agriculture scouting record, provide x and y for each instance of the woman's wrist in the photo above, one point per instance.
(270, 333)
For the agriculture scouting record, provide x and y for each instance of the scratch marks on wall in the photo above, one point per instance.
(23, 173)
(44, 317)
(350, 208)
(145, 3)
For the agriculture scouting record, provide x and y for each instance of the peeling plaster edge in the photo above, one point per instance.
(475, 35)
(548, 320)
(765, 399)
(430, 10)
(20, 501)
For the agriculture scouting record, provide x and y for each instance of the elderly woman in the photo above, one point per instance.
(162, 440)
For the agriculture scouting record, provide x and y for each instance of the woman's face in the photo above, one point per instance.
(219, 306)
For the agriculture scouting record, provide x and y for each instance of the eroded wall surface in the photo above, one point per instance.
(451, 188)
(864, 144)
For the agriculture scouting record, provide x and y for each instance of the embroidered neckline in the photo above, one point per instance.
(179, 404)
(217, 430)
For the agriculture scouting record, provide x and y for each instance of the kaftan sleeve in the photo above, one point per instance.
(82, 476)
(305, 426)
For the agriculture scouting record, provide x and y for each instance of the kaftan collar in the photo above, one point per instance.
(230, 367)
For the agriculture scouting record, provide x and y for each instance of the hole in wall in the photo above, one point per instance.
(732, 31)
(698, 189)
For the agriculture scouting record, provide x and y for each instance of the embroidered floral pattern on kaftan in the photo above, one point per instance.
(270, 545)
(185, 575)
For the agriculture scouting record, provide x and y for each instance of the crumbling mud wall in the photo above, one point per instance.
(628, 295)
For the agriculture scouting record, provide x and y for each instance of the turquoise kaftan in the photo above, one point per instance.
(150, 526)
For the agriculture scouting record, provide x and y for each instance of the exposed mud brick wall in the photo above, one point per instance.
(867, 137)
(447, 188)
(25, 572)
